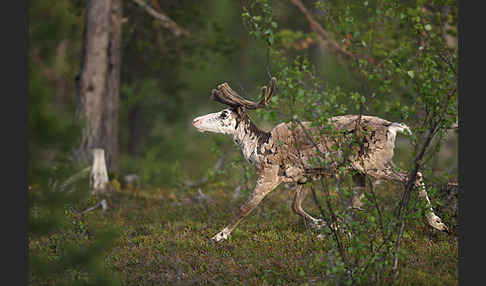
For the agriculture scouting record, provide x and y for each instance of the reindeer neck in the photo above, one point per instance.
(249, 137)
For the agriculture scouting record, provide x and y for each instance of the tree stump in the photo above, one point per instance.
(99, 177)
(99, 173)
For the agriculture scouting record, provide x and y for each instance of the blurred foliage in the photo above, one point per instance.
(165, 83)
(63, 249)
(49, 122)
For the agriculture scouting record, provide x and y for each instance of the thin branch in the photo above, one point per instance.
(413, 175)
(81, 174)
(375, 202)
(103, 204)
(167, 22)
(332, 225)
(156, 4)
(323, 34)
(203, 180)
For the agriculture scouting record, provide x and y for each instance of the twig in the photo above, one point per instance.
(412, 177)
(203, 180)
(329, 224)
(102, 203)
(167, 22)
(324, 36)
(85, 172)
(375, 202)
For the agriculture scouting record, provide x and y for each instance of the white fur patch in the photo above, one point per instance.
(247, 142)
(215, 122)
(394, 128)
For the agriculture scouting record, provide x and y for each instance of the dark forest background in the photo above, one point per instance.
(166, 79)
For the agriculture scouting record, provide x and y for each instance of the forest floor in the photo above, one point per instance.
(165, 240)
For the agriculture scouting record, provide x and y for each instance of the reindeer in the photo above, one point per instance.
(284, 155)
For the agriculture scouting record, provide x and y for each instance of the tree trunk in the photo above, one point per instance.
(99, 81)
(136, 130)
(113, 84)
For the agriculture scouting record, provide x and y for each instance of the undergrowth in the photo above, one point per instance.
(165, 240)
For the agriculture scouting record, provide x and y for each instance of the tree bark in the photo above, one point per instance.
(113, 83)
(99, 80)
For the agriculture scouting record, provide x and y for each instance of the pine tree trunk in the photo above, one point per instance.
(99, 81)
(113, 84)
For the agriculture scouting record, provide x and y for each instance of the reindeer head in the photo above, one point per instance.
(224, 121)
(227, 120)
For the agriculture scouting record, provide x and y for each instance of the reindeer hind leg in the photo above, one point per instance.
(358, 190)
(432, 218)
(300, 194)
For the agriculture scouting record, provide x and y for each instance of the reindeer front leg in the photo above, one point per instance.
(265, 184)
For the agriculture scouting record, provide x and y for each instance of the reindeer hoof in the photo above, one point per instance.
(436, 222)
(317, 224)
(220, 236)
(321, 236)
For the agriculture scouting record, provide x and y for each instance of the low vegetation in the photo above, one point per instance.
(163, 238)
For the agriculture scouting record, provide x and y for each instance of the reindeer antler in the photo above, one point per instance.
(226, 95)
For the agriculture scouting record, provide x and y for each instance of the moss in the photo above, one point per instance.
(166, 241)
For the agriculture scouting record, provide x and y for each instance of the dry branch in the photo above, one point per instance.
(74, 178)
(167, 22)
(323, 34)
(203, 180)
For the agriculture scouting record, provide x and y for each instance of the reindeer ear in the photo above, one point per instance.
(240, 110)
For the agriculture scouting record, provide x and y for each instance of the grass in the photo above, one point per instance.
(165, 240)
